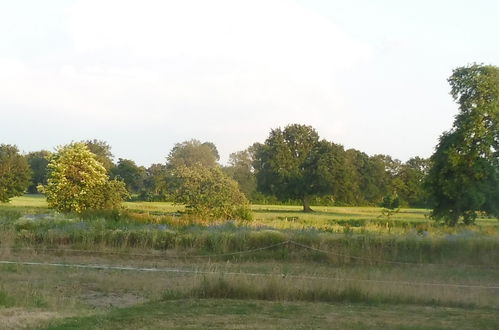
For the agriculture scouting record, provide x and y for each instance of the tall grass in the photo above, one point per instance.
(350, 236)
(335, 248)
(278, 288)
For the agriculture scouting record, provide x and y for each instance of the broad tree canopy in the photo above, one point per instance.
(294, 164)
(464, 177)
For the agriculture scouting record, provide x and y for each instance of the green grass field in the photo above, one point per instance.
(338, 267)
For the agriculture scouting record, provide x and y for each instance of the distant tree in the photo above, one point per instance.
(133, 175)
(102, 152)
(241, 169)
(209, 193)
(78, 182)
(14, 173)
(367, 177)
(155, 183)
(391, 201)
(390, 205)
(412, 175)
(327, 170)
(38, 162)
(464, 176)
(193, 152)
(213, 149)
(294, 164)
(392, 180)
(353, 195)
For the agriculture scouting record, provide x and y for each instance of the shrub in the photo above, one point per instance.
(209, 193)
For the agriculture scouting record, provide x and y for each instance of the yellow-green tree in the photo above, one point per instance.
(78, 182)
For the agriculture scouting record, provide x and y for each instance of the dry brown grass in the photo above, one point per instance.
(20, 318)
(69, 288)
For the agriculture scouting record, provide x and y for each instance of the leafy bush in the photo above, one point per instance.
(209, 193)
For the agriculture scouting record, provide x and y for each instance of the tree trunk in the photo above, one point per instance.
(306, 204)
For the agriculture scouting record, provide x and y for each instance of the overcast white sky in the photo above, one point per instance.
(143, 75)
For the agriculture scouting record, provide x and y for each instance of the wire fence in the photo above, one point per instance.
(205, 272)
(287, 244)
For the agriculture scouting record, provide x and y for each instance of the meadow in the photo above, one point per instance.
(153, 266)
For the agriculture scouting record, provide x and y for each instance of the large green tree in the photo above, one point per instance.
(294, 163)
(14, 173)
(78, 182)
(464, 176)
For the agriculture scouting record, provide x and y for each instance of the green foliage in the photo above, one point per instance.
(464, 177)
(132, 175)
(14, 173)
(411, 177)
(208, 192)
(390, 204)
(102, 152)
(155, 183)
(294, 164)
(78, 182)
(391, 201)
(327, 172)
(375, 177)
(366, 179)
(241, 169)
(193, 152)
(38, 162)
(111, 194)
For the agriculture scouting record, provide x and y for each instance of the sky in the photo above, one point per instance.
(144, 75)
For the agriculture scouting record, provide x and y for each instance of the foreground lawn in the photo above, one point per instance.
(239, 314)
(44, 297)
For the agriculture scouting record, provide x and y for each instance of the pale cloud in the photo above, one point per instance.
(223, 70)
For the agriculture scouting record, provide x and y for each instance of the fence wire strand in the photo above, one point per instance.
(202, 272)
(287, 243)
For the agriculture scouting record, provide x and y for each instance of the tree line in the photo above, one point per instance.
(294, 165)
